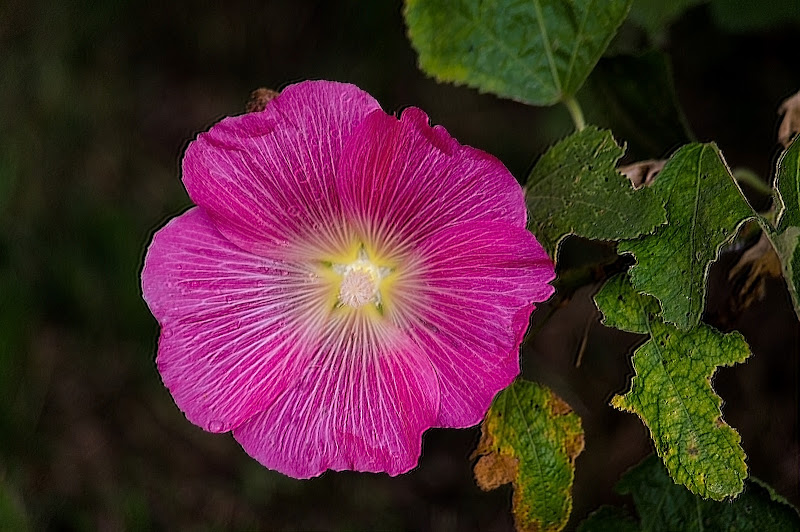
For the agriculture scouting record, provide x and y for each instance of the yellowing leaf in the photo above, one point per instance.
(531, 438)
(671, 391)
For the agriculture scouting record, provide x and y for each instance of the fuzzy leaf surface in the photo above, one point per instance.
(575, 189)
(531, 437)
(663, 506)
(671, 391)
(534, 51)
(705, 209)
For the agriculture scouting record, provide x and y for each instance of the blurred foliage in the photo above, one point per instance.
(662, 505)
(737, 16)
(634, 96)
(655, 16)
(99, 100)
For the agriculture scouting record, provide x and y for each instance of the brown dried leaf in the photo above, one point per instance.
(748, 277)
(259, 99)
(492, 470)
(790, 109)
(643, 173)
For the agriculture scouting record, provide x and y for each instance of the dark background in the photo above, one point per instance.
(98, 101)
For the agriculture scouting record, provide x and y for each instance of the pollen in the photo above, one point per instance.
(360, 281)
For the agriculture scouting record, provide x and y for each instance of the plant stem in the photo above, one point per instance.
(575, 112)
(747, 176)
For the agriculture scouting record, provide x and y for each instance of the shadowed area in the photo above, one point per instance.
(99, 100)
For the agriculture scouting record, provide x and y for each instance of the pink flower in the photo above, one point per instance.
(347, 281)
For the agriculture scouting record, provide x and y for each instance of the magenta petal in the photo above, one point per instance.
(268, 178)
(362, 405)
(228, 346)
(467, 299)
(401, 180)
(347, 281)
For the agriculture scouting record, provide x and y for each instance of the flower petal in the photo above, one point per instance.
(467, 297)
(266, 178)
(231, 322)
(401, 180)
(363, 405)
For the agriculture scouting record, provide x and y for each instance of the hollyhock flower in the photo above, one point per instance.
(347, 280)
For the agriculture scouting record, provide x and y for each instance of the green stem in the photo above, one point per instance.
(575, 112)
(748, 177)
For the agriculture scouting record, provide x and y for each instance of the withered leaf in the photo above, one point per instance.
(790, 109)
(748, 277)
(643, 173)
(259, 99)
(531, 438)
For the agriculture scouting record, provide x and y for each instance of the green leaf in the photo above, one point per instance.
(671, 391)
(786, 237)
(787, 246)
(534, 51)
(664, 507)
(531, 438)
(705, 209)
(790, 240)
(634, 97)
(575, 189)
(787, 183)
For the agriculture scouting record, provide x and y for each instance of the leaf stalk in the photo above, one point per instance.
(575, 112)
